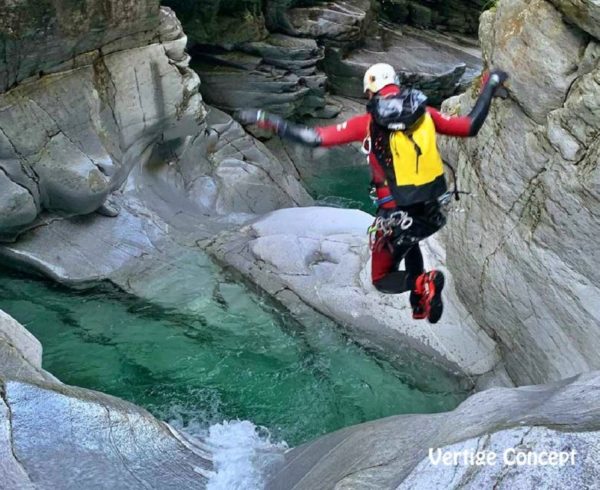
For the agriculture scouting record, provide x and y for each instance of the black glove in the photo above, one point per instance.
(493, 86)
(285, 129)
(262, 119)
(496, 80)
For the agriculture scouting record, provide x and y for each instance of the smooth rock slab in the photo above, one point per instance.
(321, 255)
(503, 474)
(87, 248)
(385, 453)
(67, 437)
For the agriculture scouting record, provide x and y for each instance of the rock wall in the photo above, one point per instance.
(393, 452)
(70, 135)
(429, 61)
(283, 55)
(58, 436)
(525, 253)
(453, 15)
(41, 37)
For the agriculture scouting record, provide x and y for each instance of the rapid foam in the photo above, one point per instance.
(242, 454)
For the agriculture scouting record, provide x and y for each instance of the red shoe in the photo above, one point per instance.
(416, 299)
(428, 296)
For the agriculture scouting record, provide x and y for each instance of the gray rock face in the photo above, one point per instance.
(217, 21)
(248, 178)
(243, 65)
(393, 453)
(70, 138)
(20, 353)
(538, 48)
(453, 15)
(510, 446)
(94, 440)
(39, 37)
(583, 13)
(129, 121)
(278, 73)
(340, 23)
(218, 179)
(319, 256)
(57, 436)
(524, 254)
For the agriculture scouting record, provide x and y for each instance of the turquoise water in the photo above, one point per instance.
(224, 352)
(344, 185)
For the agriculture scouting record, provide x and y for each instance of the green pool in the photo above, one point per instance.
(220, 353)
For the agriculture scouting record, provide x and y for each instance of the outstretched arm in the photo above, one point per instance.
(355, 129)
(285, 129)
(471, 124)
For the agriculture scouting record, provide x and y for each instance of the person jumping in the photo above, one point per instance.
(398, 133)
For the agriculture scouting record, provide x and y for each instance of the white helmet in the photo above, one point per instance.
(378, 76)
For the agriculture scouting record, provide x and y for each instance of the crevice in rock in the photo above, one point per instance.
(4, 399)
(507, 469)
(102, 79)
(115, 447)
(528, 190)
(472, 470)
(138, 91)
(3, 170)
(39, 224)
(10, 142)
(58, 126)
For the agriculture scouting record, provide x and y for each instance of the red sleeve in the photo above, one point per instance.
(354, 129)
(450, 125)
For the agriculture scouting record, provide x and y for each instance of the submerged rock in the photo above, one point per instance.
(393, 452)
(525, 252)
(319, 256)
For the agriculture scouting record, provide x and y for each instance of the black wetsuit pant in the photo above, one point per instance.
(403, 245)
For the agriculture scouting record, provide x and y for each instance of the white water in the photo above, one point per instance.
(242, 453)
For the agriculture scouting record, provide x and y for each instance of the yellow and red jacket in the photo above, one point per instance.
(413, 187)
